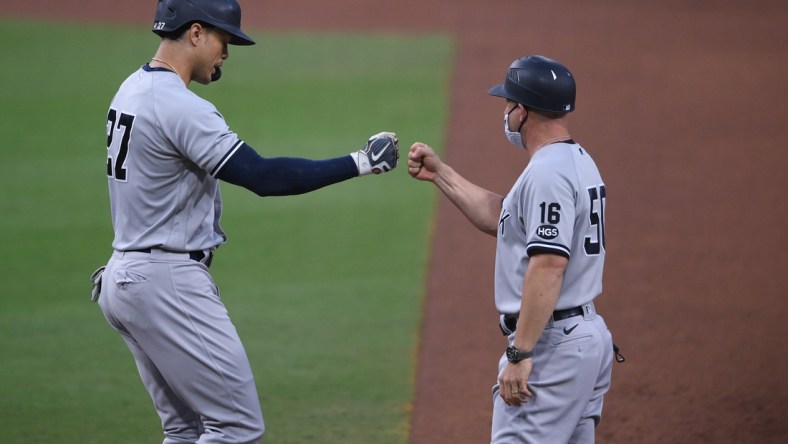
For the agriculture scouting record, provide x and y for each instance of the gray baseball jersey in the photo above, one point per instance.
(556, 206)
(164, 194)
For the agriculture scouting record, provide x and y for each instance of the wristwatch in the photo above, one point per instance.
(514, 355)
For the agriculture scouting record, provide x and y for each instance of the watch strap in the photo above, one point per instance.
(514, 355)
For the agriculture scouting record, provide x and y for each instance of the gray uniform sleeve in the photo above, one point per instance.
(548, 208)
(199, 133)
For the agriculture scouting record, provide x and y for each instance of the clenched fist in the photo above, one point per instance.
(379, 155)
(423, 163)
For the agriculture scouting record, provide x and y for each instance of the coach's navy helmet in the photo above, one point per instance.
(540, 83)
(223, 14)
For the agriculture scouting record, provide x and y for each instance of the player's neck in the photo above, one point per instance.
(168, 58)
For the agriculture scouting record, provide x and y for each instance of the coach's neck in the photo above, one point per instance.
(541, 130)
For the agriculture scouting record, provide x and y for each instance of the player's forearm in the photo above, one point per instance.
(281, 176)
(480, 206)
(541, 287)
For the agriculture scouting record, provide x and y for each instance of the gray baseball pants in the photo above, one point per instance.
(188, 353)
(571, 374)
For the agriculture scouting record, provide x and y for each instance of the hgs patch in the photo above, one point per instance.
(547, 232)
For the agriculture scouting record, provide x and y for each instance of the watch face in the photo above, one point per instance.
(511, 353)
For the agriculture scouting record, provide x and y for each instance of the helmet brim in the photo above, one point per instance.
(499, 90)
(239, 38)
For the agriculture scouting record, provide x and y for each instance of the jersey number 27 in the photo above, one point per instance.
(116, 167)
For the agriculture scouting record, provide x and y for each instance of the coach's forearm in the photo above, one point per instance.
(480, 206)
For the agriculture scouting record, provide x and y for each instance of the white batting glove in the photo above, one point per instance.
(379, 155)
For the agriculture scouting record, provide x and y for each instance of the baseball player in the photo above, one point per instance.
(167, 149)
(550, 253)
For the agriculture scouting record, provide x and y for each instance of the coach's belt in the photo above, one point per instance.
(510, 320)
(197, 255)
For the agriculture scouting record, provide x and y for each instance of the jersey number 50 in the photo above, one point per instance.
(597, 220)
(116, 168)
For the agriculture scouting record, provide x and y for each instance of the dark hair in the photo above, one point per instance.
(178, 33)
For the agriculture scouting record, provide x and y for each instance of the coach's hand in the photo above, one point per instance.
(423, 163)
(513, 382)
(379, 155)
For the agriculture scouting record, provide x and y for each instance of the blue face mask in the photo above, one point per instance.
(515, 138)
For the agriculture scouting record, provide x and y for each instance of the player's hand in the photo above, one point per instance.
(423, 163)
(379, 155)
(512, 382)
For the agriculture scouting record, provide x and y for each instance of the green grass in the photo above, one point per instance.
(325, 288)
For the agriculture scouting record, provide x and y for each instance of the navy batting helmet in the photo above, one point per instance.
(223, 14)
(540, 83)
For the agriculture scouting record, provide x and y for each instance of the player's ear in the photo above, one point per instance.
(195, 32)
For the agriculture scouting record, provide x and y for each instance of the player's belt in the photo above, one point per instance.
(510, 320)
(198, 255)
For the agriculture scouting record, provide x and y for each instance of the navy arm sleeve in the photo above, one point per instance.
(283, 176)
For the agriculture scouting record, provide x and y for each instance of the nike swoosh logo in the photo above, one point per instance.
(569, 330)
(379, 153)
